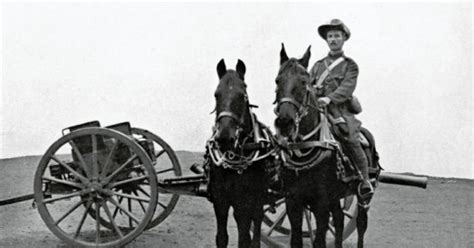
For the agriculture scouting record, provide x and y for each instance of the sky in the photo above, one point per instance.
(154, 64)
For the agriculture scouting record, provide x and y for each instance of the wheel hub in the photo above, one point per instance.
(96, 191)
(95, 186)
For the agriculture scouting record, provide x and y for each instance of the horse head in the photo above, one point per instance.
(296, 109)
(232, 106)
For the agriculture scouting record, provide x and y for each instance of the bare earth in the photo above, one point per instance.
(439, 216)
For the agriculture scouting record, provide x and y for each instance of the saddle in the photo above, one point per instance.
(347, 172)
(345, 169)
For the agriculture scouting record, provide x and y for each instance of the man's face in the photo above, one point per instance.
(335, 39)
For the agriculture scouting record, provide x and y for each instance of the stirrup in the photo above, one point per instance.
(366, 197)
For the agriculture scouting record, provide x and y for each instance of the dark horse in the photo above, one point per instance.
(237, 173)
(313, 161)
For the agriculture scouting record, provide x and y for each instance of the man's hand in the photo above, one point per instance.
(324, 101)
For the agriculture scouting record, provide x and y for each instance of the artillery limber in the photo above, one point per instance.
(103, 186)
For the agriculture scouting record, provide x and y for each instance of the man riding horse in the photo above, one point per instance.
(335, 78)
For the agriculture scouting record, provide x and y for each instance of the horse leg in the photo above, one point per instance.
(338, 219)
(243, 217)
(362, 219)
(257, 219)
(320, 210)
(294, 209)
(221, 209)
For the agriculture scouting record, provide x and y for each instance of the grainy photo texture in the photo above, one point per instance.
(236, 125)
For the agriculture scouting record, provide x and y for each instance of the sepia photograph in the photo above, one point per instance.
(236, 124)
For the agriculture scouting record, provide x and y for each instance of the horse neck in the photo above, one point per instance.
(309, 122)
(247, 124)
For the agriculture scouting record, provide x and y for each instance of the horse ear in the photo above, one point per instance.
(221, 69)
(240, 68)
(283, 56)
(305, 60)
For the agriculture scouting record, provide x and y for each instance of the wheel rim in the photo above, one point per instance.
(101, 167)
(166, 165)
(276, 227)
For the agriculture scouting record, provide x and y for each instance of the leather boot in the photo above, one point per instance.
(357, 155)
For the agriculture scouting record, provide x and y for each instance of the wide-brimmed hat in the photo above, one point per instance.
(334, 24)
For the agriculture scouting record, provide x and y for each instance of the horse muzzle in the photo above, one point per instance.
(286, 126)
(227, 138)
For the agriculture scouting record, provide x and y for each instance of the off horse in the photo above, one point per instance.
(314, 167)
(238, 159)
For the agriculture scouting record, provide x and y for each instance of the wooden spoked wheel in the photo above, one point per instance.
(276, 226)
(166, 165)
(96, 187)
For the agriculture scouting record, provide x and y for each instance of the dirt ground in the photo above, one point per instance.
(400, 216)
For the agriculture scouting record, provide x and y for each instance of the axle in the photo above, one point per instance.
(401, 179)
(187, 185)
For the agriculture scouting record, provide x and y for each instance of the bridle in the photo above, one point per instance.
(236, 159)
(302, 110)
(236, 119)
(230, 115)
(292, 150)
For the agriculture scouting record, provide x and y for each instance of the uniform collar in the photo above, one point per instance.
(335, 55)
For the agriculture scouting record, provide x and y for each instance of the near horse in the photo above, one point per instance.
(239, 156)
(315, 173)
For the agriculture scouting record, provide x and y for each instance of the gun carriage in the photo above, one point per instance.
(117, 181)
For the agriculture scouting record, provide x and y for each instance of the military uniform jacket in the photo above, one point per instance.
(338, 86)
(341, 80)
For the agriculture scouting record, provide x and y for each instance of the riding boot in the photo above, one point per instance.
(357, 155)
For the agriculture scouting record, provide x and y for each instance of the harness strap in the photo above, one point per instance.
(228, 114)
(310, 134)
(325, 134)
(310, 144)
(262, 147)
(338, 120)
(291, 101)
